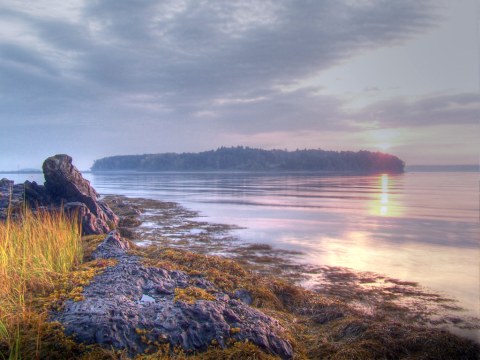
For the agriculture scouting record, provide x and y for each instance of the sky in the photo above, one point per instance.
(98, 78)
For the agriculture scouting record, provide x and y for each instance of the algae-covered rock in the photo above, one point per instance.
(136, 307)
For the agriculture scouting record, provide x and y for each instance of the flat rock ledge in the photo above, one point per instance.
(132, 306)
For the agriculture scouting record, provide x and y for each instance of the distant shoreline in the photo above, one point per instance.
(22, 172)
(408, 169)
(443, 168)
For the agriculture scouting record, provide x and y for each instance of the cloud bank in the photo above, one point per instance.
(106, 77)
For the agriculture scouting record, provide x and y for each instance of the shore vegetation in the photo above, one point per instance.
(44, 262)
(41, 256)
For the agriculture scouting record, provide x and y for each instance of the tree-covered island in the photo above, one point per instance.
(249, 159)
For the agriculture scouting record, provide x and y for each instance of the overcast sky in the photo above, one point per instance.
(98, 78)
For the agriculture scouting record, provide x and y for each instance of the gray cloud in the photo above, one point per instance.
(190, 48)
(439, 109)
(181, 66)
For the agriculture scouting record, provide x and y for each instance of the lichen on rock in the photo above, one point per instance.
(114, 307)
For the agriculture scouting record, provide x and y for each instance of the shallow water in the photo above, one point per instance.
(420, 227)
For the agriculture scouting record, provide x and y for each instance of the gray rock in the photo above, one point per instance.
(64, 184)
(6, 188)
(244, 296)
(36, 194)
(64, 181)
(129, 301)
(112, 246)
(11, 197)
(90, 223)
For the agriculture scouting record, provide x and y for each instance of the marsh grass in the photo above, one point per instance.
(35, 249)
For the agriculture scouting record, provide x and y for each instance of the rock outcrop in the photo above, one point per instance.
(64, 186)
(132, 306)
(11, 197)
(64, 182)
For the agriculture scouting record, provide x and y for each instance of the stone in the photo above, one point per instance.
(90, 225)
(244, 296)
(112, 246)
(131, 304)
(11, 198)
(147, 299)
(64, 186)
(64, 181)
(6, 187)
(36, 195)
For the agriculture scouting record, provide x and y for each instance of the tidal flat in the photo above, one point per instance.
(371, 296)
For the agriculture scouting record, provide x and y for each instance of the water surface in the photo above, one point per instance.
(420, 227)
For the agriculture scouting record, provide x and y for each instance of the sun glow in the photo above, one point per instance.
(384, 139)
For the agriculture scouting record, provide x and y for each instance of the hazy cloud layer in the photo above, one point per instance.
(439, 109)
(150, 75)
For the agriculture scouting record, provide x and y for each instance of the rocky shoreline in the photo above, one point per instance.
(136, 307)
(66, 189)
(166, 224)
(164, 301)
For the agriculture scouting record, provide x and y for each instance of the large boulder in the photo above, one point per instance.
(133, 306)
(65, 184)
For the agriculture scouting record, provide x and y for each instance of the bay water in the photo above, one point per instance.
(417, 226)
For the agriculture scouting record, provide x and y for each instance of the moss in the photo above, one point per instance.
(192, 294)
(226, 274)
(235, 330)
(70, 285)
(90, 243)
(130, 221)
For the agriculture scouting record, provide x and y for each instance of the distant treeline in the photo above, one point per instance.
(247, 159)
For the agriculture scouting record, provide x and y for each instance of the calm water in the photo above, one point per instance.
(417, 226)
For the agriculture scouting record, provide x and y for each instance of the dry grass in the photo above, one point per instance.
(35, 249)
